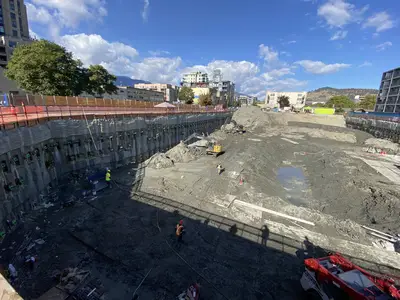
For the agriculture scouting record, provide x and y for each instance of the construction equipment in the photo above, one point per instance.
(336, 278)
(214, 149)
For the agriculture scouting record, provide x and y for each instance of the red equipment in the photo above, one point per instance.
(334, 277)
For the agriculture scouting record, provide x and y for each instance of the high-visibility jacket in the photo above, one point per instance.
(179, 229)
(108, 176)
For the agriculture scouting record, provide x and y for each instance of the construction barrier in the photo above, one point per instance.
(324, 111)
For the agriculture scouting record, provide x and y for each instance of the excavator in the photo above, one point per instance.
(212, 147)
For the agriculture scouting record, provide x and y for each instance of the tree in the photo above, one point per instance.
(186, 94)
(368, 103)
(340, 102)
(99, 81)
(43, 67)
(283, 101)
(205, 99)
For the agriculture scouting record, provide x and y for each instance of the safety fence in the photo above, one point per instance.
(27, 110)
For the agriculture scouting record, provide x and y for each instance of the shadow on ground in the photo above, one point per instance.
(125, 237)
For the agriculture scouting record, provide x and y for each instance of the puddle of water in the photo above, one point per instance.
(294, 182)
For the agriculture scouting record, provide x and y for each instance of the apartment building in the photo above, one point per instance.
(245, 100)
(170, 91)
(388, 99)
(194, 78)
(14, 28)
(131, 93)
(296, 99)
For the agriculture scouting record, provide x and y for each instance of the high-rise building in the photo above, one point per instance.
(388, 99)
(14, 28)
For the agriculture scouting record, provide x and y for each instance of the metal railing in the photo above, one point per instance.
(30, 110)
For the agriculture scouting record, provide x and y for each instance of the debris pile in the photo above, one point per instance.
(70, 278)
(159, 161)
(378, 145)
(233, 127)
(181, 153)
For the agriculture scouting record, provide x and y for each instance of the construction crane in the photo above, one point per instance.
(336, 278)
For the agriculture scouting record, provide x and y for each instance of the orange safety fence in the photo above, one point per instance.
(29, 115)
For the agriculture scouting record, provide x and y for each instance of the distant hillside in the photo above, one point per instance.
(127, 81)
(325, 93)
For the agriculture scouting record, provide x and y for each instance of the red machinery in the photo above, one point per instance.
(334, 277)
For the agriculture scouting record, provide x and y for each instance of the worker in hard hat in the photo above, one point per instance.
(179, 230)
(108, 178)
(220, 169)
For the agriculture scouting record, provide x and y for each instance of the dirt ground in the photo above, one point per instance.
(123, 238)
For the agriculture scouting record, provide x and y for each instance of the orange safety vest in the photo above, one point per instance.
(179, 229)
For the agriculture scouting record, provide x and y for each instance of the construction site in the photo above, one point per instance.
(257, 193)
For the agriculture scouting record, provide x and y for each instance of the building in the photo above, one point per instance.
(198, 91)
(296, 99)
(226, 88)
(170, 91)
(388, 99)
(14, 28)
(131, 93)
(246, 100)
(194, 79)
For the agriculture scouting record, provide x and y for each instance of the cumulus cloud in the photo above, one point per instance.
(318, 67)
(267, 53)
(58, 14)
(338, 13)
(380, 21)
(34, 35)
(339, 35)
(383, 46)
(145, 11)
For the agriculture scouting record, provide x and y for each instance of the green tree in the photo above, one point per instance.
(368, 103)
(186, 94)
(340, 102)
(283, 101)
(43, 67)
(205, 99)
(99, 81)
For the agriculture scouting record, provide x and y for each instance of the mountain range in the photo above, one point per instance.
(127, 81)
(326, 93)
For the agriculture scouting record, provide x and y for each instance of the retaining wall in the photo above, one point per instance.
(380, 128)
(33, 157)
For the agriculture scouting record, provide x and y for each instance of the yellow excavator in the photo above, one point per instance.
(214, 149)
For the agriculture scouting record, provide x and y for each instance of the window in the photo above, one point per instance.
(15, 33)
(2, 29)
(14, 23)
(12, 44)
(13, 16)
(12, 5)
(1, 18)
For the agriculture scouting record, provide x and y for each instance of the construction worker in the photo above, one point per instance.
(220, 169)
(179, 230)
(108, 178)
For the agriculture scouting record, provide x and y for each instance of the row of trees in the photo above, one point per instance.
(342, 102)
(186, 94)
(43, 67)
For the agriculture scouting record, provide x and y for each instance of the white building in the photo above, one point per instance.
(194, 77)
(131, 93)
(245, 100)
(170, 91)
(296, 99)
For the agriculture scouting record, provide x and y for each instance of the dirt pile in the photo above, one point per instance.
(233, 128)
(181, 153)
(383, 145)
(250, 117)
(159, 161)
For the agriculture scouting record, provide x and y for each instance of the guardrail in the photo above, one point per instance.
(27, 115)
(390, 117)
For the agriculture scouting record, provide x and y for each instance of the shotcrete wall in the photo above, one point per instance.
(33, 157)
(379, 128)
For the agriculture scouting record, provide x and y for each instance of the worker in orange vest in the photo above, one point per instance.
(179, 230)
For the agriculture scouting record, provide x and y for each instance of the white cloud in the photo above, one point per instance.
(58, 14)
(93, 49)
(280, 72)
(339, 35)
(365, 64)
(318, 67)
(267, 53)
(157, 69)
(380, 21)
(383, 46)
(145, 11)
(34, 35)
(338, 13)
(159, 53)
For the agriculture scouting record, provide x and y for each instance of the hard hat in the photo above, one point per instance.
(108, 171)
(180, 222)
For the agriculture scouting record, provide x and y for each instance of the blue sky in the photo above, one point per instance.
(261, 45)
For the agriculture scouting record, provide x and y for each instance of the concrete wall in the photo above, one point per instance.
(33, 157)
(378, 128)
